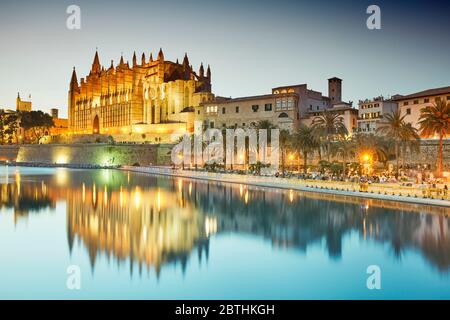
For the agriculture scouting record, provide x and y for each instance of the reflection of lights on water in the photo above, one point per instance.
(241, 189)
(246, 197)
(180, 185)
(94, 194)
(17, 175)
(105, 196)
(160, 236)
(61, 176)
(83, 192)
(43, 188)
(291, 195)
(190, 188)
(158, 199)
(137, 197)
(210, 226)
(106, 175)
(144, 233)
(121, 197)
(364, 228)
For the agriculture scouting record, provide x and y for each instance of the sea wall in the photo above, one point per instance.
(9, 153)
(94, 154)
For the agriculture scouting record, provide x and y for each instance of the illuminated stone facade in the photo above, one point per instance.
(153, 97)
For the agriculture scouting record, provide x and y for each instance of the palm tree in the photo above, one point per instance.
(435, 120)
(285, 139)
(346, 149)
(329, 127)
(305, 142)
(265, 125)
(377, 146)
(395, 127)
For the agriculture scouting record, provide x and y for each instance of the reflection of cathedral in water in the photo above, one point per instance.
(150, 227)
(153, 221)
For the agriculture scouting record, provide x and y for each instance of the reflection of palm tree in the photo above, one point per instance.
(435, 120)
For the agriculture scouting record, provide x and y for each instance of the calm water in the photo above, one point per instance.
(146, 237)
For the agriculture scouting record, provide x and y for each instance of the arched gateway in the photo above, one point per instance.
(96, 126)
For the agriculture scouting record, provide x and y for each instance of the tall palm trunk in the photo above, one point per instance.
(305, 162)
(329, 151)
(397, 159)
(439, 166)
(344, 166)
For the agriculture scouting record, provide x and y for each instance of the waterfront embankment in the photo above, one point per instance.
(87, 154)
(390, 192)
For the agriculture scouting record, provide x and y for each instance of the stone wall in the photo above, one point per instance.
(428, 153)
(9, 153)
(95, 154)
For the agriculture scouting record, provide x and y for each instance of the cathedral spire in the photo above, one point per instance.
(74, 80)
(208, 72)
(185, 60)
(121, 60)
(143, 59)
(201, 71)
(160, 55)
(96, 64)
(151, 57)
(134, 59)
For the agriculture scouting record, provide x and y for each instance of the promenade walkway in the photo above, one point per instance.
(392, 192)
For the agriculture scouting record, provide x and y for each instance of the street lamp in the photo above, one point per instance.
(366, 159)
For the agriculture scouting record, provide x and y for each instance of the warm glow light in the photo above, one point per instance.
(105, 195)
(61, 159)
(291, 157)
(291, 195)
(94, 194)
(159, 200)
(61, 176)
(83, 192)
(18, 182)
(366, 157)
(121, 197)
(246, 197)
(137, 198)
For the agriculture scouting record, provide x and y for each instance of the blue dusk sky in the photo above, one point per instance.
(251, 46)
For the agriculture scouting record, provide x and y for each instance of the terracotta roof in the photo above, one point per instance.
(426, 93)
